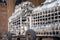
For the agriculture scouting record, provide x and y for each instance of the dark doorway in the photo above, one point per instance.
(3, 1)
(40, 39)
(56, 38)
(18, 2)
(0, 1)
(18, 38)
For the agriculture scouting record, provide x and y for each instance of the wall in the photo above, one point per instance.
(3, 18)
(36, 2)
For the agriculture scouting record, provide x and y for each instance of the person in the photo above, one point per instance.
(9, 36)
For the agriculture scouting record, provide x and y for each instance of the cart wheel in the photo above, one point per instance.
(30, 35)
